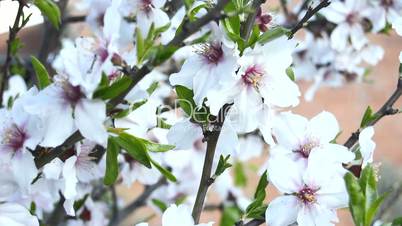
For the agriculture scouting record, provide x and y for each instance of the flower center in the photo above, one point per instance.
(304, 149)
(103, 54)
(352, 18)
(72, 94)
(307, 195)
(146, 6)
(14, 137)
(387, 3)
(212, 52)
(253, 75)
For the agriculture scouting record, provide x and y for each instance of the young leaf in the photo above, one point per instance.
(272, 34)
(356, 199)
(113, 90)
(164, 171)
(154, 147)
(230, 216)
(223, 164)
(240, 178)
(375, 206)
(367, 117)
(257, 208)
(185, 97)
(160, 204)
(140, 44)
(135, 148)
(112, 165)
(41, 73)
(291, 73)
(50, 10)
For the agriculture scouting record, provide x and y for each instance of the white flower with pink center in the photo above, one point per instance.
(310, 196)
(297, 138)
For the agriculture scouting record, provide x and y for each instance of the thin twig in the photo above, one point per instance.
(115, 209)
(12, 35)
(137, 203)
(385, 110)
(74, 19)
(254, 222)
(246, 28)
(310, 13)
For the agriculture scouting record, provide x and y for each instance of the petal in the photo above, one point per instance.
(324, 127)
(24, 169)
(177, 215)
(367, 145)
(285, 174)
(53, 169)
(282, 211)
(289, 129)
(89, 118)
(16, 214)
(183, 134)
(60, 116)
(339, 37)
(316, 215)
(358, 37)
(186, 74)
(278, 54)
(228, 142)
(70, 178)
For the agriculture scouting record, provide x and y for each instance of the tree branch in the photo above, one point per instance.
(206, 180)
(385, 110)
(137, 203)
(246, 28)
(12, 35)
(310, 13)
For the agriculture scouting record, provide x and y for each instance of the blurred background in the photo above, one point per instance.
(347, 103)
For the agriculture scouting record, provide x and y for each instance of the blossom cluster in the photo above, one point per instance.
(101, 120)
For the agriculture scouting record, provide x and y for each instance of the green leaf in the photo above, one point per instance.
(114, 90)
(368, 185)
(272, 34)
(50, 10)
(112, 165)
(152, 87)
(140, 44)
(188, 4)
(356, 199)
(135, 147)
(291, 73)
(154, 147)
(127, 111)
(367, 117)
(397, 221)
(375, 206)
(80, 203)
(230, 216)
(161, 123)
(257, 208)
(223, 164)
(160, 204)
(240, 178)
(41, 73)
(185, 98)
(164, 171)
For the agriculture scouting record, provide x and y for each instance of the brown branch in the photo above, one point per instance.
(385, 110)
(310, 13)
(137, 203)
(73, 19)
(246, 28)
(12, 35)
(205, 181)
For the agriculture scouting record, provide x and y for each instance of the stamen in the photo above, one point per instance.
(307, 195)
(212, 52)
(253, 75)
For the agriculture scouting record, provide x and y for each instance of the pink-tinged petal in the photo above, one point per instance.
(12, 214)
(89, 118)
(282, 211)
(324, 127)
